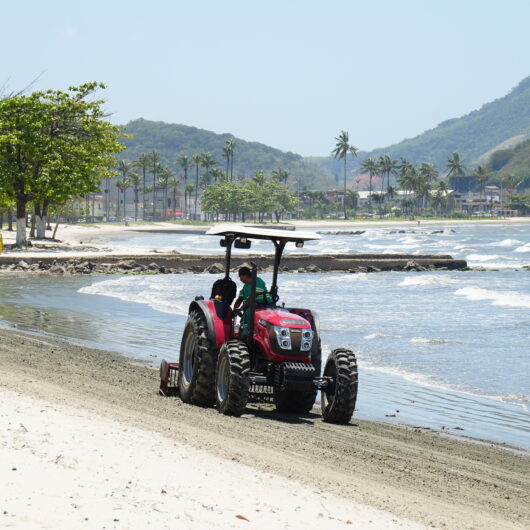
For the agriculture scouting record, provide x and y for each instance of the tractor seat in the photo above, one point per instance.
(226, 288)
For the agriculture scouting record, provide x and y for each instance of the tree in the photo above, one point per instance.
(371, 167)
(481, 175)
(342, 148)
(280, 175)
(230, 147)
(164, 177)
(155, 167)
(143, 162)
(135, 181)
(197, 159)
(53, 145)
(352, 198)
(184, 162)
(174, 183)
(455, 166)
(387, 167)
(123, 185)
(218, 175)
(207, 162)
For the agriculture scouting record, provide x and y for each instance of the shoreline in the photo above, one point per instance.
(425, 477)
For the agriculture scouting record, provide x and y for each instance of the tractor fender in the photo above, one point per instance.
(219, 330)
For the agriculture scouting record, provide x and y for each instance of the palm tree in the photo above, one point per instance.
(218, 175)
(371, 167)
(174, 183)
(184, 162)
(142, 163)
(387, 167)
(123, 185)
(197, 159)
(207, 162)
(280, 175)
(135, 180)
(229, 150)
(163, 179)
(342, 148)
(352, 197)
(481, 175)
(154, 160)
(188, 190)
(455, 166)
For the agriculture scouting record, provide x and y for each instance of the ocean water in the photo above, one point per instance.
(490, 246)
(446, 350)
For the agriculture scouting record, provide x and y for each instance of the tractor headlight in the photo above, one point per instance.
(307, 340)
(284, 337)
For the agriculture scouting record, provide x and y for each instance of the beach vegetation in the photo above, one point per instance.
(54, 145)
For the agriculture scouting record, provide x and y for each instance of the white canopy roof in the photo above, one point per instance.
(261, 233)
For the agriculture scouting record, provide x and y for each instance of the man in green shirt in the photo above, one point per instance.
(243, 301)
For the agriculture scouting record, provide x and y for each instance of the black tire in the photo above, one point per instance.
(231, 378)
(301, 402)
(198, 358)
(338, 401)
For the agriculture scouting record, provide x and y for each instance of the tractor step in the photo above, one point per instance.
(168, 378)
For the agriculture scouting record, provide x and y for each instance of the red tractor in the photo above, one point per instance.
(275, 357)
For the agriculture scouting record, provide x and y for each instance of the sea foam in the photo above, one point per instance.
(497, 298)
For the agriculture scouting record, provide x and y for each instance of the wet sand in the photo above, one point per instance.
(424, 477)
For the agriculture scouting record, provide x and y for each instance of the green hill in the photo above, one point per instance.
(173, 140)
(514, 161)
(472, 135)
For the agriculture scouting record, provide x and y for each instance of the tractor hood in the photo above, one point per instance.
(281, 318)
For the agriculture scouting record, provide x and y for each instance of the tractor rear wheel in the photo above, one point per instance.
(301, 402)
(338, 400)
(198, 358)
(231, 378)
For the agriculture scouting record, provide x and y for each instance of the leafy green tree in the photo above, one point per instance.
(341, 151)
(53, 145)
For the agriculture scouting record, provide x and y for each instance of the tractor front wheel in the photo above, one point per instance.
(231, 378)
(338, 400)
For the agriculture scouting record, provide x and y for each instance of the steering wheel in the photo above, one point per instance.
(266, 296)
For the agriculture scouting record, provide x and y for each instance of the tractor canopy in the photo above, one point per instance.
(242, 235)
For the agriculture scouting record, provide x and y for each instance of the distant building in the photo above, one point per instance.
(462, 184)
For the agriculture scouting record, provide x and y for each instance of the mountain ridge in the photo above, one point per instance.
(472, 135)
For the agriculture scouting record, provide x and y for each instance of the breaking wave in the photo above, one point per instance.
(497, 298)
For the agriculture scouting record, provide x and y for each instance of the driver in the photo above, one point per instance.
(243, 300)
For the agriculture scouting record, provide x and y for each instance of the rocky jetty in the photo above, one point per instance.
(181, 263)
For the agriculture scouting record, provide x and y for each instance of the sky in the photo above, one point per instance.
(291, 74)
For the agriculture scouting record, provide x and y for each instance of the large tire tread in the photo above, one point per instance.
(202, 389)
(339, 409)
(238, 386)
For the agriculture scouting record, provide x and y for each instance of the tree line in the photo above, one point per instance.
(424, 187)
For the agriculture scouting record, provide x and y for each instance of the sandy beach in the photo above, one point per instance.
(86, 441)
